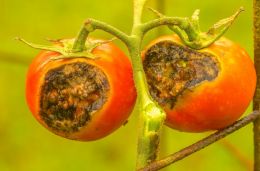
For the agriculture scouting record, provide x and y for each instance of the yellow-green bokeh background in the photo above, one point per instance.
(26, 146)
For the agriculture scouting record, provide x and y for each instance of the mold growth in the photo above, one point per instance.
(70, 94)
(171, 69)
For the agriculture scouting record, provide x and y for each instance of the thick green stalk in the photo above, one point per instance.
(257, 92)
(79, 44)
(92, 24)
(151, 116)
(185, 152)
(138, 10)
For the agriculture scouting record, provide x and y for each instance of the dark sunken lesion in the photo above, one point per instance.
(70, 94)
(171, 69)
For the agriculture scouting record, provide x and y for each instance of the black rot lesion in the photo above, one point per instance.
(171, 69)
(70, 94)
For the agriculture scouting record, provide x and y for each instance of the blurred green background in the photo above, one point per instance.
(26, 146)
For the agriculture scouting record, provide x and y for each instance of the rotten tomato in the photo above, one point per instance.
(200, 90)
(81, 98)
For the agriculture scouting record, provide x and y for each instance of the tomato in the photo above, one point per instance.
(200, 90)
(81, 98)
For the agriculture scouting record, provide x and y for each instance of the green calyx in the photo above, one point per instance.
(193, 37)
(64, 47)
(71, 48)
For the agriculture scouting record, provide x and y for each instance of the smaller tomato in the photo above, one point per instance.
(81, 98)
(200, 90)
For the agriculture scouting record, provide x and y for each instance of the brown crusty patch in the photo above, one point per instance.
(172, 68)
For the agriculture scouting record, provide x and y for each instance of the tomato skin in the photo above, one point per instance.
(122, 94)
(215, 104)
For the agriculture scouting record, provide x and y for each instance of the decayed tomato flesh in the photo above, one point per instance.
(212, 103)
(70, 94)
(120, 97)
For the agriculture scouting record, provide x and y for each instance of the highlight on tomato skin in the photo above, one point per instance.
(79, 98)
(200, 90)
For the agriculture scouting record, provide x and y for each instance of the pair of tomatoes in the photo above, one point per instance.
(86, 99)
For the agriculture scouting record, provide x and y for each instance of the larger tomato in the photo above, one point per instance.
(81, 98)
(200, 90)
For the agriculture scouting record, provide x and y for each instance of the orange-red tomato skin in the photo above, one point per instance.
(215, 104)
(121, 98)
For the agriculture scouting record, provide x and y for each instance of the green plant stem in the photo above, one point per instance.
(188, 28)
(138, 10)
(151, 116)
(164, 20)
(256, 101)
(92, 24)
(202, 143)
(187, 24)
(79, 44)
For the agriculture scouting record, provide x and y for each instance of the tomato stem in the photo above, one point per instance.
(151, 119)
(92, 24)
(151, 115)
(138, 9)
(79, 43)
(185, 152)
(188, 28)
